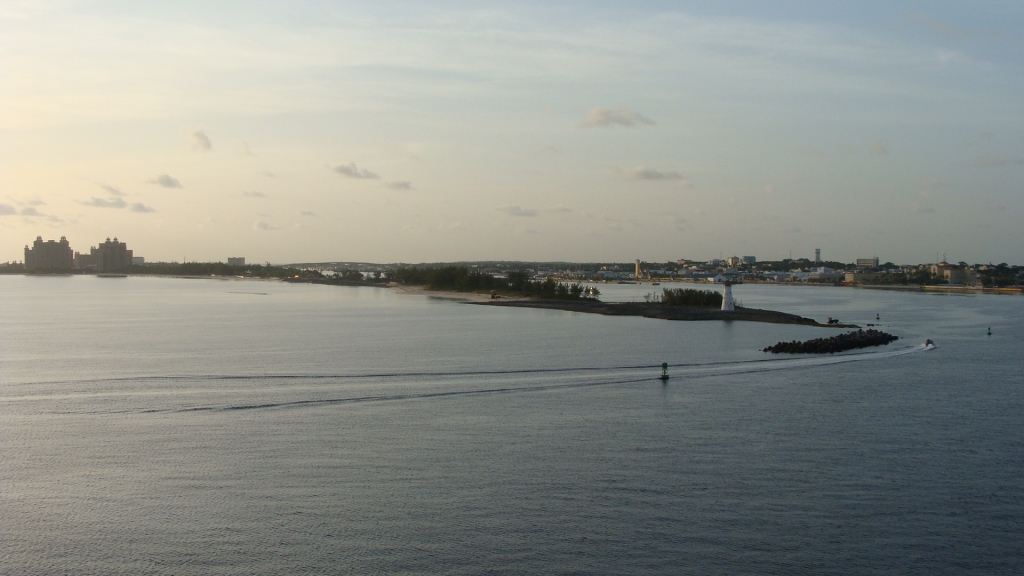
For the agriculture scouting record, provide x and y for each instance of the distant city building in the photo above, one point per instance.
(236, 261)
(637, 269)
(867, 262)
(138, 260)
(109, 256)
(961, 276)
(750, 259)
(863, 277)
(817, 255)
(49, 255)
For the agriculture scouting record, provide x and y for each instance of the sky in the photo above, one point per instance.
(579, 131)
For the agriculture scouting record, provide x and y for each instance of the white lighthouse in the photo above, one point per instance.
(727, 302)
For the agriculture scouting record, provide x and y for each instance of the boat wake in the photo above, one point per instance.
(227, 393)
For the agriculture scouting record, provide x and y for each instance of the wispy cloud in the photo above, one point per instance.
(7, 210)
(30, 211)
(678, 222)
(36, 203)
(996, 160)
(166, 181)
(140, 208)
(402, 185)
(254, 194)
(877, 147)
(558, 209)
(265, 226)
(622, 116)
(642, 173)
(352, 171)
(306, 213)
(112, 190)
(101, 203)
(200, 141)
(244, 149)
(517, 211)
(948, 30)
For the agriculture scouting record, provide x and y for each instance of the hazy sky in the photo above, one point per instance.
(428, 131)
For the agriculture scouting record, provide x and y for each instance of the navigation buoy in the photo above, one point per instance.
(664, 372)
(877, 317)
(989, 330)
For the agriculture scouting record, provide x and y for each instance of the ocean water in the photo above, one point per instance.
(172, 426)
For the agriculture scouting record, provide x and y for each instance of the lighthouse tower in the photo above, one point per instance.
(727, 303)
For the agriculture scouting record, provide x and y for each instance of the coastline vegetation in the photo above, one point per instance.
(515, 283)
(686, 297)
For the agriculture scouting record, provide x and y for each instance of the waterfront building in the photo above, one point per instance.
(817, 255)
(49, 255)
(236, 261)
(138, 260)
(109, 256)
(750, 259)
(867, 262)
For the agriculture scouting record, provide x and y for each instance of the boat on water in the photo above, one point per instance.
(111, 275)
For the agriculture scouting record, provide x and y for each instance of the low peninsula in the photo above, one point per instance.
(518, 291)
(657, 310)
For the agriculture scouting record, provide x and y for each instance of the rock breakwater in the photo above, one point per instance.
(840, 343)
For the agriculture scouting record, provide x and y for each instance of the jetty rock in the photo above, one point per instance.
(840, 343)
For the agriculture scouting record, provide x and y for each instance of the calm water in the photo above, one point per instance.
(168, 426)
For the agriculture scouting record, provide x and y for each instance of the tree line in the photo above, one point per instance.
(463, 279)
(686, 297)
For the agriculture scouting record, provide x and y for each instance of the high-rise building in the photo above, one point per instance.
(750, 259)
(817, 255)
(109, 256)
(236, 261)
(637, 275)
(49, 255)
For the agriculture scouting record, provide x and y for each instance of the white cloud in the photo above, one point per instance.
(7, 210)
(101, 203)
(603, 117)
(517, 211)
(111, 190)
(403, 185)
(30, 211)
(140, 208)
(200, 141)
(354, 172)
(166, 181)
